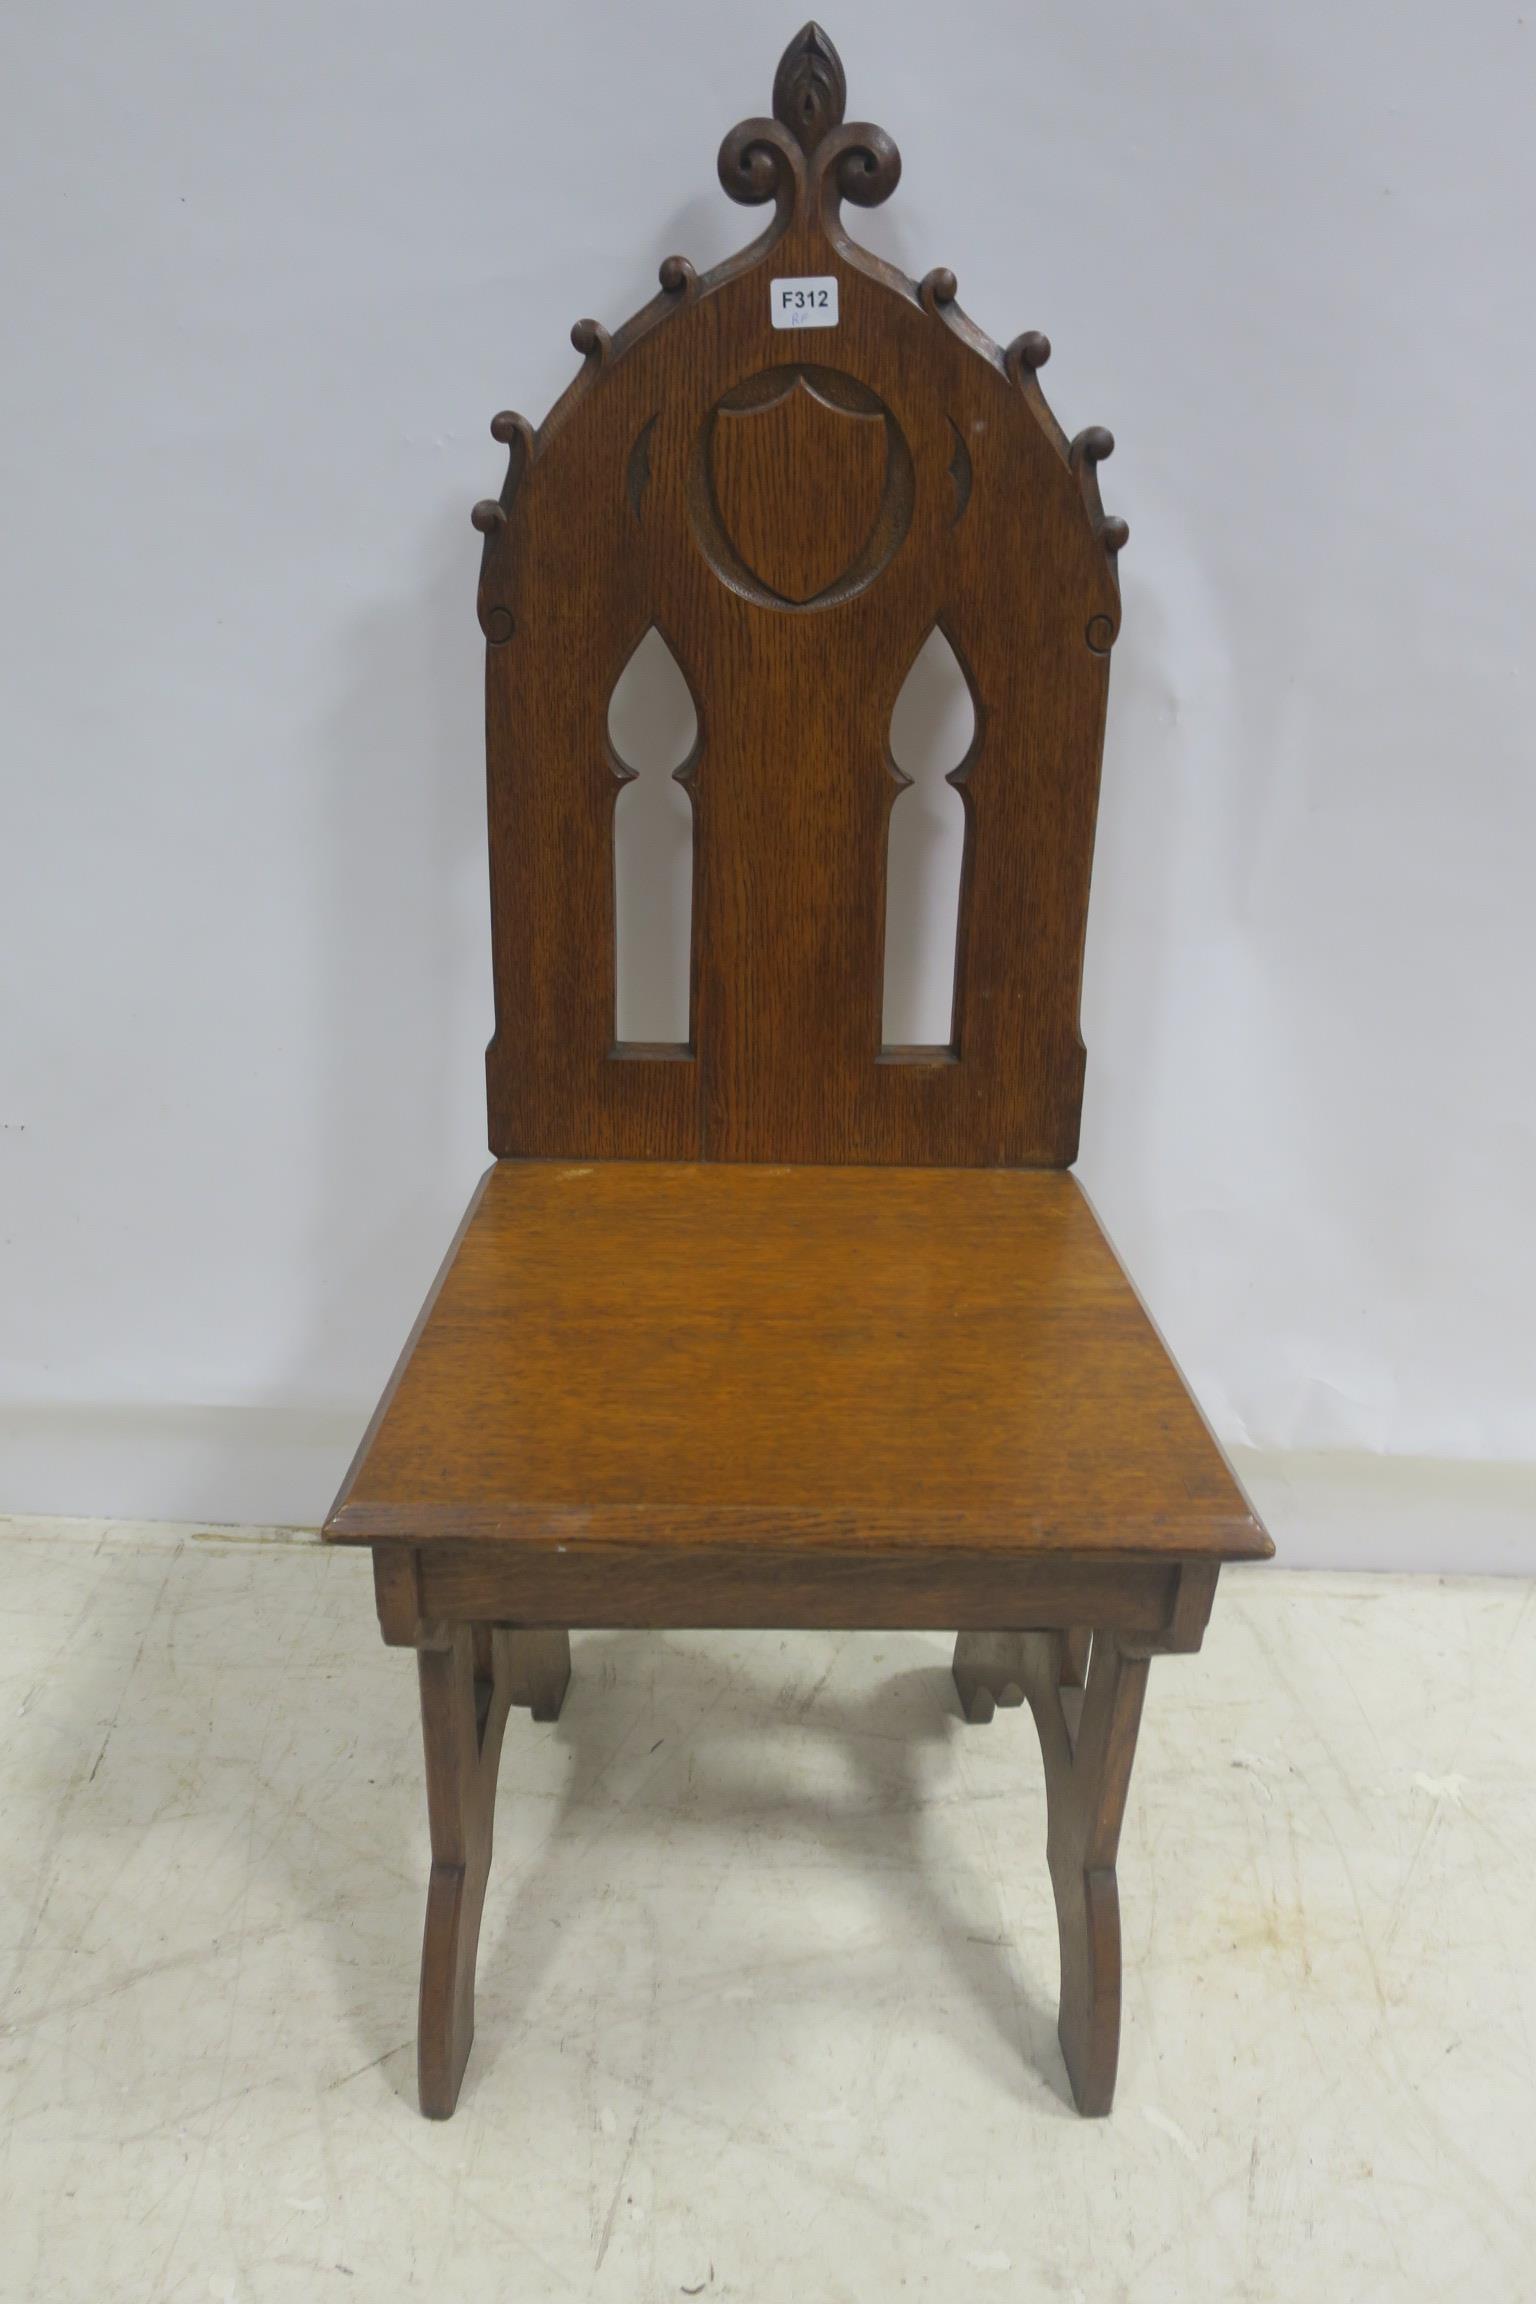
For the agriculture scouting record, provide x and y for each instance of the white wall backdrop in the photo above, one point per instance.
(267, 273)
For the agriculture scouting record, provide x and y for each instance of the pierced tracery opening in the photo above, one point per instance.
(934, 727)
(652, 735)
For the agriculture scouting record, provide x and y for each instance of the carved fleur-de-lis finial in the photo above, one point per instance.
(808, 151)
(809, 89)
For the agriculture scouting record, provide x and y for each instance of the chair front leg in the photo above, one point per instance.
(463, 1714)
(1088, 1723)
(471, 1674)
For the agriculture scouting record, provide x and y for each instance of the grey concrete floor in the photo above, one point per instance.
(767, 1980)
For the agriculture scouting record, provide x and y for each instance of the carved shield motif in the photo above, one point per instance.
(798, 482)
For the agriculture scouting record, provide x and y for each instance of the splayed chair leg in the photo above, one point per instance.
(470, 1676)
(466, 1688)
(1086, 1699)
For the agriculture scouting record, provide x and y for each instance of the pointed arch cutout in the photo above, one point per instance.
(935, 728)
(653, 739)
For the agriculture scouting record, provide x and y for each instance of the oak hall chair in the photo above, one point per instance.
(781, 1326)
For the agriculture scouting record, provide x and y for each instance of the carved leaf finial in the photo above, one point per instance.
(810, 90)
(808, 150)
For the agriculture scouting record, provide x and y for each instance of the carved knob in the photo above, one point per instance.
(488, 516)
(1092, 446)
(1031, 350)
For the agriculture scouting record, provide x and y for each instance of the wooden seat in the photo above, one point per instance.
(742, 1371)
(782, 1325)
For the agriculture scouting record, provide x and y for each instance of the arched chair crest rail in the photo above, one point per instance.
(776, 1324)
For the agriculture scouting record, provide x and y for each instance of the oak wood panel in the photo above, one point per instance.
(1158, 1608)
(605, 1587)
(839, 1359)
(795, 511)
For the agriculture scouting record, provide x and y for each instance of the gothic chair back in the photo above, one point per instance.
(795, 468)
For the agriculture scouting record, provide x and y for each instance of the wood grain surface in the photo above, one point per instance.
(642, 1353)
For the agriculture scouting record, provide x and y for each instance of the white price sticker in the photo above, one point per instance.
(803, 303)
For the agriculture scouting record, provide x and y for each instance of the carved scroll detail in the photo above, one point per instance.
(678, 278)
(591, 339)
(759, 160)
(1087, 453)
(489, 516)
(862, 163)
